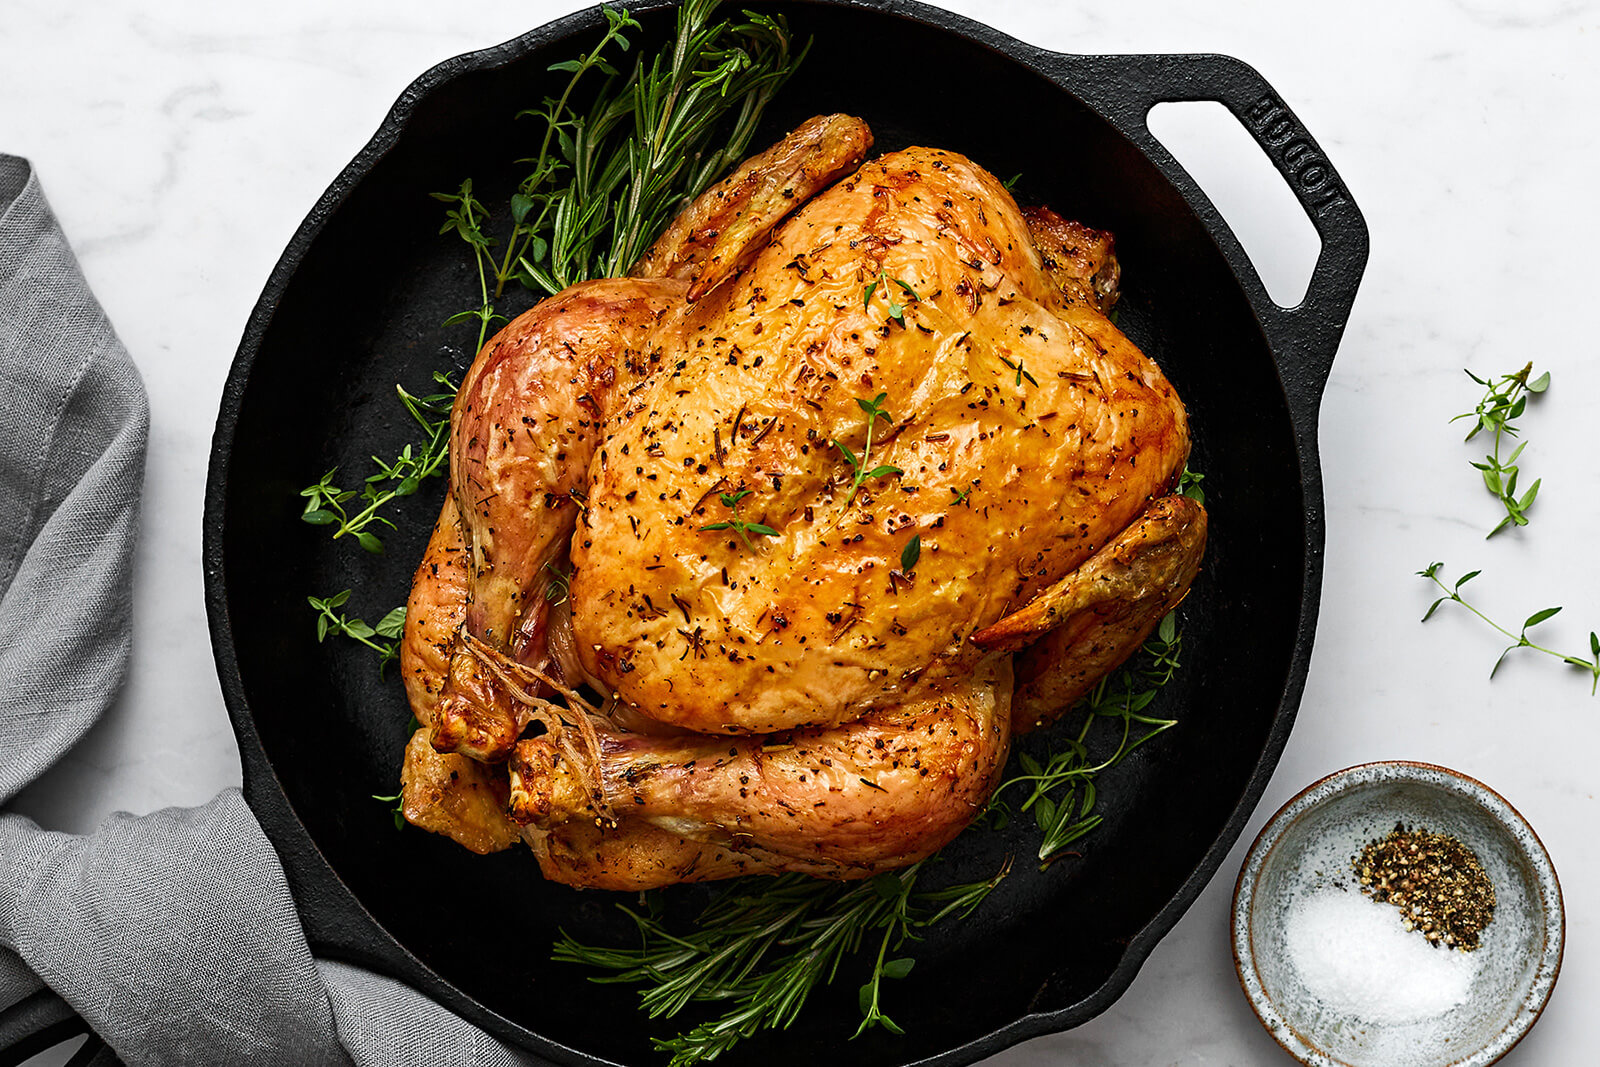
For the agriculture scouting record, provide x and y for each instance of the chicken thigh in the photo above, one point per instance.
(753, 561)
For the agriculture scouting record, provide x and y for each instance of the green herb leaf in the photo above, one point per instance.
(1539, 616)
(1504, 400)
(1518, 640)
(393, 623)
(898, 968)
(911, 553)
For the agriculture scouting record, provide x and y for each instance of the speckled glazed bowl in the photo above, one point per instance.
(1307, 846)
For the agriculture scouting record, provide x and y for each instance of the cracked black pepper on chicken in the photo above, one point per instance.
(754, 560)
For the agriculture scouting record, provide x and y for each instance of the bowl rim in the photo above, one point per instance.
(1277, 1026)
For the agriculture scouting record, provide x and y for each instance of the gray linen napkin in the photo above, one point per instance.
(172, 934)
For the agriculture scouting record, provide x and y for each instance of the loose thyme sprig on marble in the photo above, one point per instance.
(1505, 399)
(1520, 638)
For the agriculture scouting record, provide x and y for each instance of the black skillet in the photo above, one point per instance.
(354, 307)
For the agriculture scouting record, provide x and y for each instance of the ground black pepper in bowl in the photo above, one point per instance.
(1437, 882)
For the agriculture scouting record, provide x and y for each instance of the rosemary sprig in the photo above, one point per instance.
(1061, 790)
(603, 185)
(764, 944)
(325, 501)
(874, 410)
(738, 525)
(1520, 638)
(331, 620)
(897, 310)
(607, 181)
(1505, 398)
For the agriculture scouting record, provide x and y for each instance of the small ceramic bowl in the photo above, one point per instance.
(1306, 849)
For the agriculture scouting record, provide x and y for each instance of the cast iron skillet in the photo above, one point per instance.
(354, 307)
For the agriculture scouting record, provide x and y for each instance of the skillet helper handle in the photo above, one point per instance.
(1123, 89)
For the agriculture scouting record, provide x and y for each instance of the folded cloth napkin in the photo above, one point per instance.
(173, 934)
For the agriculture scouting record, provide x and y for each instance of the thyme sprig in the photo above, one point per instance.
(897, 310)
(331, 620)
(874, 410)
(1060, 787)
(764, 944)
(738, 525)
(1505, 398)
(1520, 638)
(326, 502)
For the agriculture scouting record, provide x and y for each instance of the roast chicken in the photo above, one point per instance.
(756, 559)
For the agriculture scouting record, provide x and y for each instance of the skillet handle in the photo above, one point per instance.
(1123, 89)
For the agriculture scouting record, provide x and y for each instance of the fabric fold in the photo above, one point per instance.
(174, 935)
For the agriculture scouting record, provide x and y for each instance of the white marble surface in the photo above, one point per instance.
(182, 142)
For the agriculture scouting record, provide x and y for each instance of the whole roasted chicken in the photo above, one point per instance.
(754, 560)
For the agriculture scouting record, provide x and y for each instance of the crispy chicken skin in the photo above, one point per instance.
(810, 695)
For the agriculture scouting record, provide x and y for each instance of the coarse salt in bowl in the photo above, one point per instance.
(1336, 978)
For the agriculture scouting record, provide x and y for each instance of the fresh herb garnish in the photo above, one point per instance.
(559, 587)
(1520, 638)
(1060, 786)
(466, 220)
(738, 525)
(325, 501)
(961, 496)
(897, 311)
(1022, 371)
(1189, 485)
(399, 810)
(608, 180)
(874, 411)
(602, 187)
(1505, 399)
(910, 554)
(764, 944)
(331, 620)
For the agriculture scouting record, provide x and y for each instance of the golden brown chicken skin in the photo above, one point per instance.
(853, 439)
